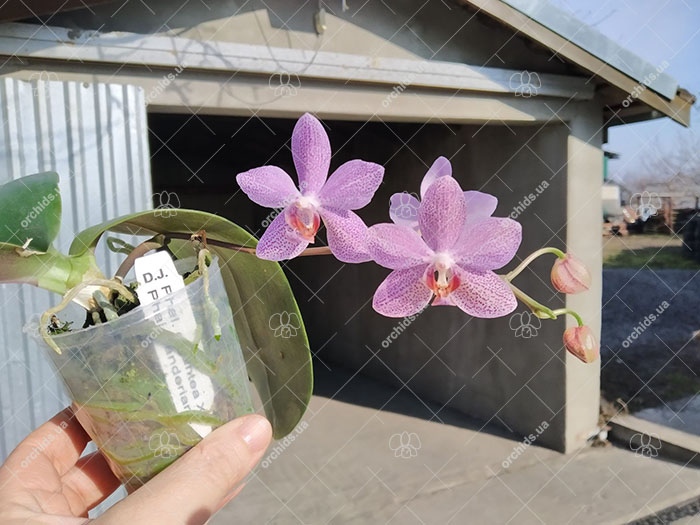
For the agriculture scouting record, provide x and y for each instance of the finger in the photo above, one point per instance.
(59, 441)
(228, 498)
(88, 483)
(190, 490)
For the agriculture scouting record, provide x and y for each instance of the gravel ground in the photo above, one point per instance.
(672, 514)
(648, 316)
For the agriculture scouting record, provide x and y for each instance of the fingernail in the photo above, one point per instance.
(256, 432)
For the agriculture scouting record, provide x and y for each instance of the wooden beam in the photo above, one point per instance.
(56, 43)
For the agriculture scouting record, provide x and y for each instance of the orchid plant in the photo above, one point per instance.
(443, 250)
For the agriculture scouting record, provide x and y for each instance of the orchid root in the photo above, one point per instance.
(72, 294)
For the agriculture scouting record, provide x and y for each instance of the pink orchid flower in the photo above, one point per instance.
(350, 187)
(404, 206)
(452, 258)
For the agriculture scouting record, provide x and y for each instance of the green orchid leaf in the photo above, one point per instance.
(50, 270)
(280, 367)
(30, 208)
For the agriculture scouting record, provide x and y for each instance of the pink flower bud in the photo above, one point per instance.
(580, 342)
(570, 275)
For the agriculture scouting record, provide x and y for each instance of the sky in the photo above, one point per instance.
(657, 31)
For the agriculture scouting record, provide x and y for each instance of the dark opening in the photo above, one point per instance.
(195, 160)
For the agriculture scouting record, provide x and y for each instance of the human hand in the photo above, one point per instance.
(46, 481)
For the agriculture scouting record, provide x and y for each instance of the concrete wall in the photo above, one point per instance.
(584, 165)
(479, 366)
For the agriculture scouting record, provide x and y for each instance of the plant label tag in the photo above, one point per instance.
(190, 389)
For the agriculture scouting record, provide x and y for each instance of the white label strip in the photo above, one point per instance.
(189, 388)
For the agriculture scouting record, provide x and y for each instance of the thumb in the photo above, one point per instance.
(193, 487)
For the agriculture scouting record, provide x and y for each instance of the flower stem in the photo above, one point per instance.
(534, 255)
(138, 251)
(538, 309)
(564, 311)
(319, 250)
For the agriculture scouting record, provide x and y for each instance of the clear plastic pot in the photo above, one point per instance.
(149, 385)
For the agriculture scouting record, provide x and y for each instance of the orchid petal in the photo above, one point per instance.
(402, 293)
(403, 209)
(488, 244)
(440, 168)
(311, 151)
(396, 247)
(483, 294)
(347, 235)
(352, 185)
(268, 186)
(280, 242)
(479, 205)
(442, 214)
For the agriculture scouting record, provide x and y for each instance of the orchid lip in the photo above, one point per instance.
(440, 277)
(302, 216)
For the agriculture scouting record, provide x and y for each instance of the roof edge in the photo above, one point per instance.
(677, 108)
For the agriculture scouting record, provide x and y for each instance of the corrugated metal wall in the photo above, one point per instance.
(95, 136)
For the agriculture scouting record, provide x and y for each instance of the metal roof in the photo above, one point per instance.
(651, 93)
(578, 32)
